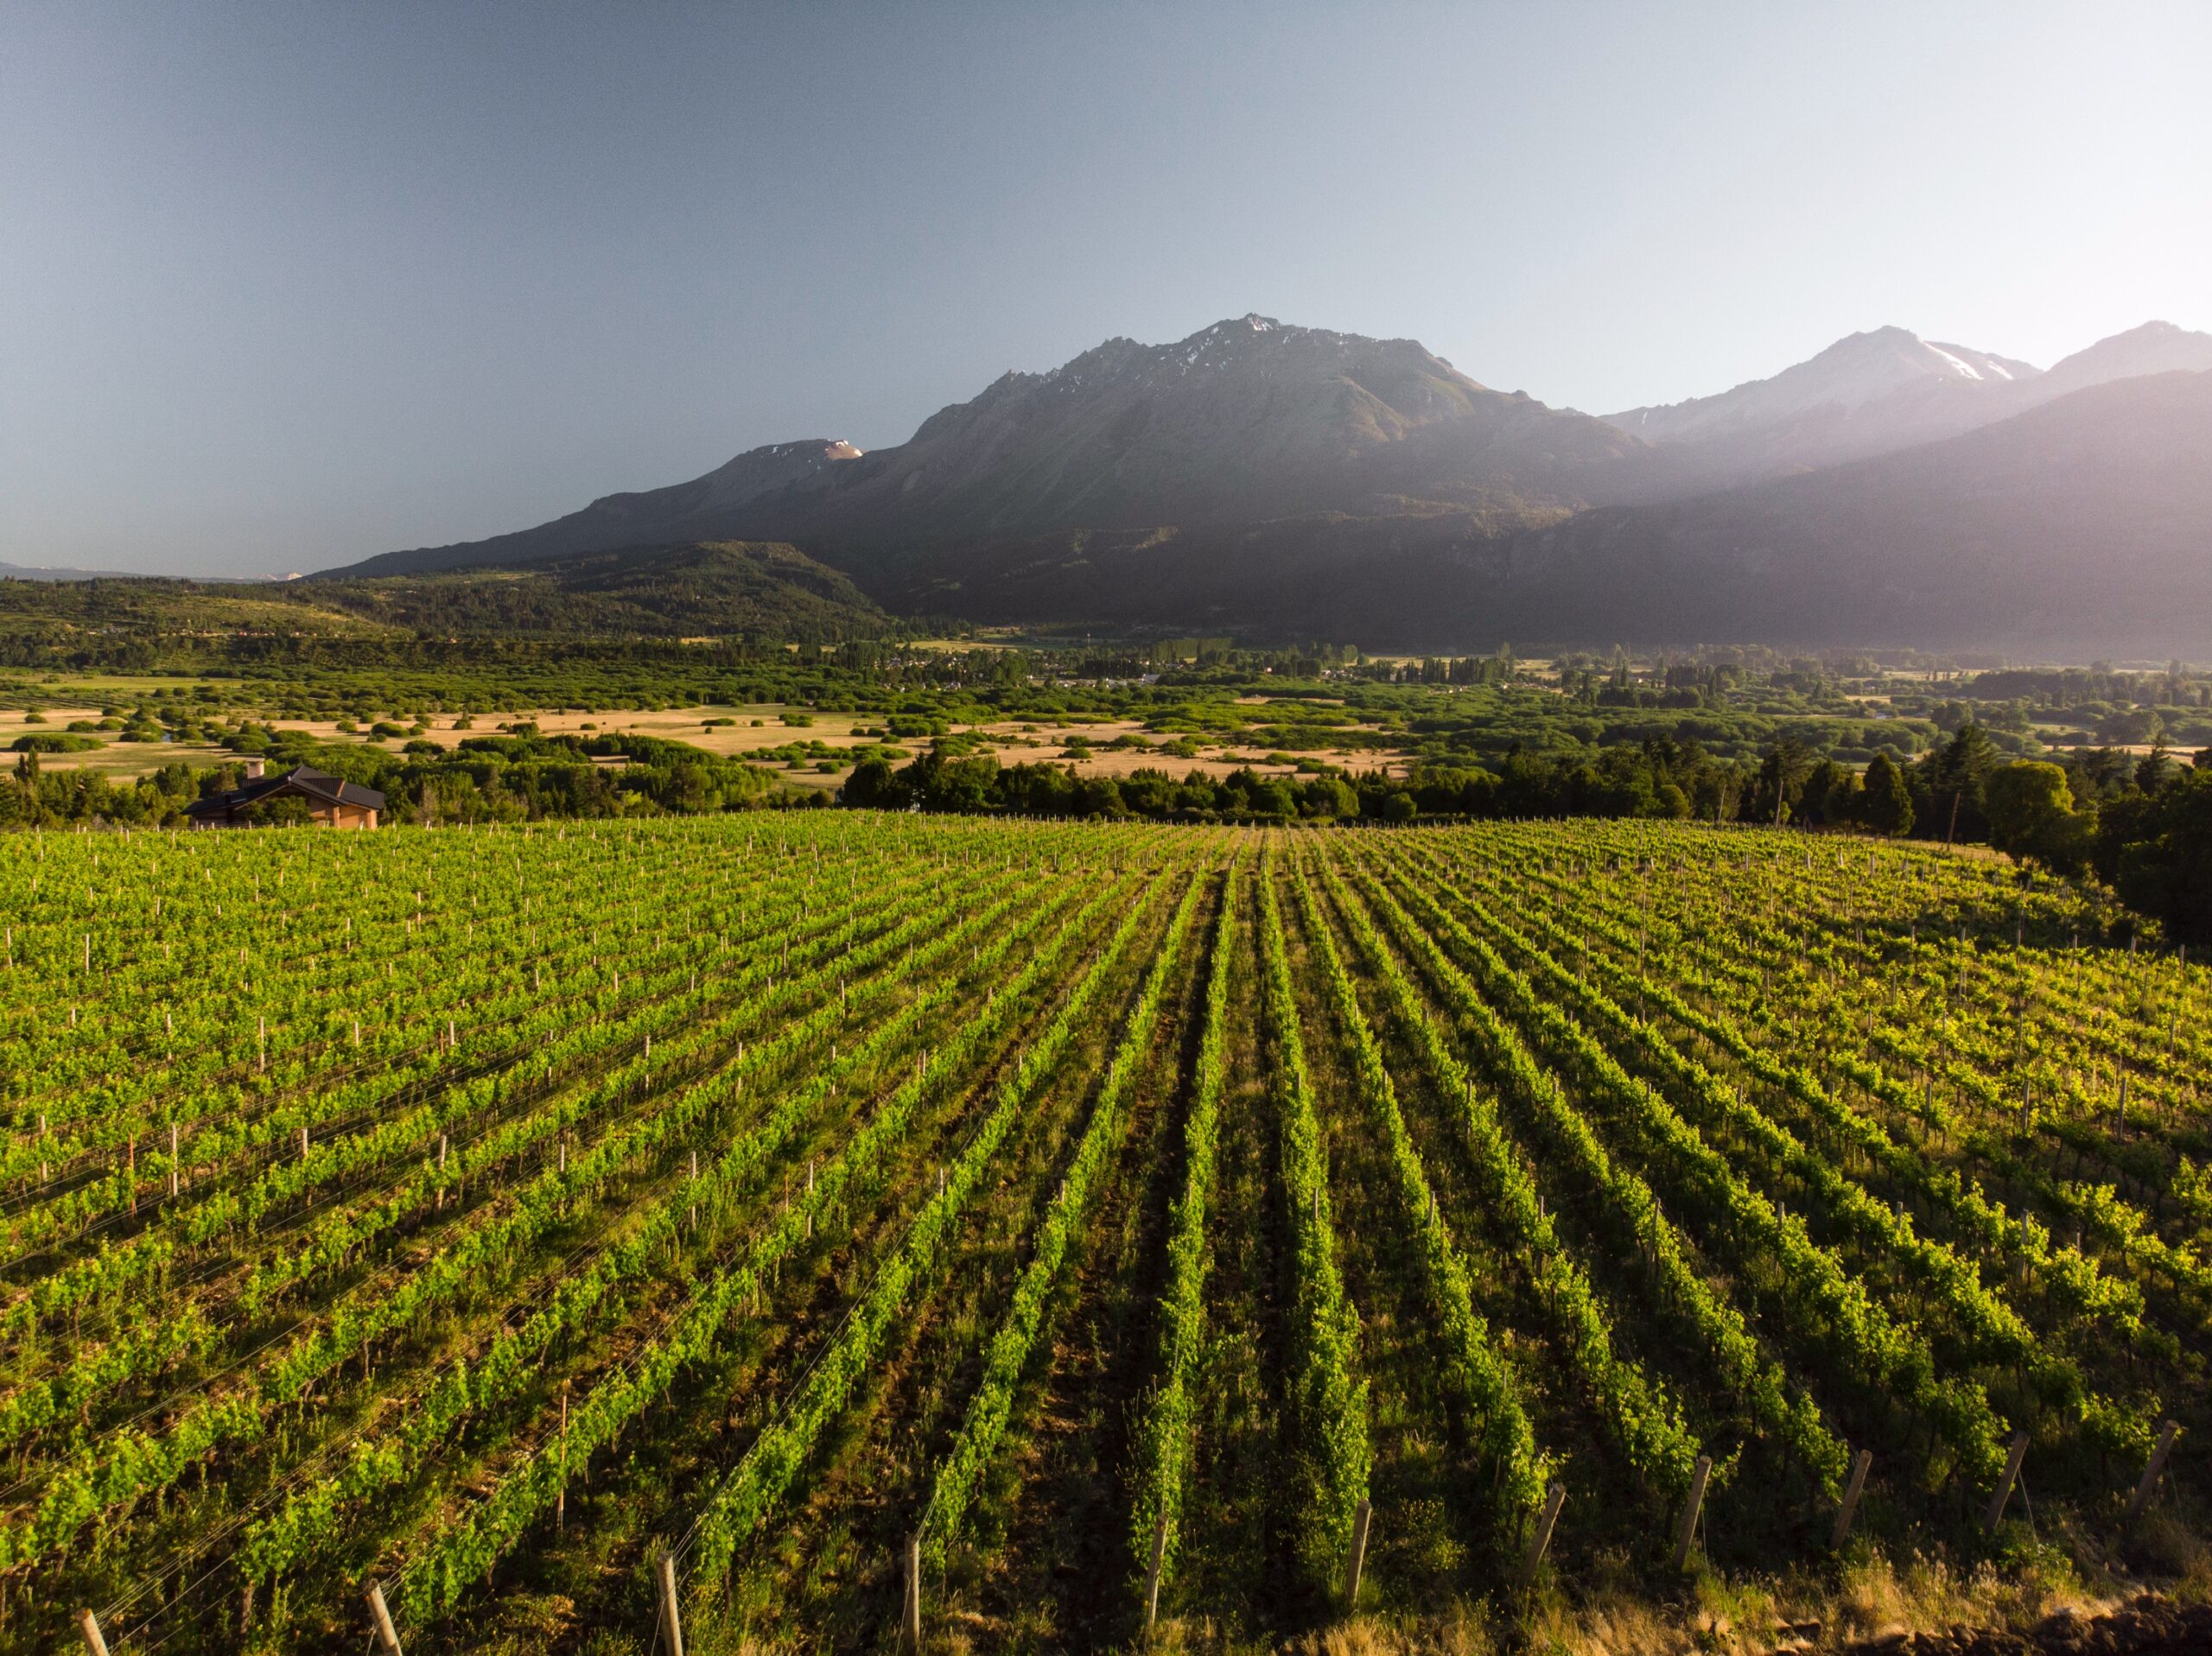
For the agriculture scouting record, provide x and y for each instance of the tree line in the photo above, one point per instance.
(2143, 825)
(502, 779)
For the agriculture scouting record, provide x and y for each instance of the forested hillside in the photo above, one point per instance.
(723, 589)
(744, 591)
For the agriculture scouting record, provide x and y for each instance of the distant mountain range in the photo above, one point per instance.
(2082, 526)
(1867, 394)
(1876, 393)
(19, 572)
(1291, 479)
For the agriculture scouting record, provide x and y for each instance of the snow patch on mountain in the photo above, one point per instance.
(1961, 363)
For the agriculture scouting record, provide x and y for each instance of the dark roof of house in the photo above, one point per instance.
(318, 785)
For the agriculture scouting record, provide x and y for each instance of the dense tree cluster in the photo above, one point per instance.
(502, 779)
(42, 798)
(1657, 779)
(2156, 849)
(2142, 823)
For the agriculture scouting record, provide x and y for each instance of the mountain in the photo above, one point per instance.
(1878, 389)
(1244, 422)
(19, 572)
(1289, 481)
(1876, 393)
(2083, 526)
(2077, 529)
(706, 509)
(2153, 348)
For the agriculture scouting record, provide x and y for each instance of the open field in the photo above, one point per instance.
(1568, 734)
(739, 730)
(483, 1212)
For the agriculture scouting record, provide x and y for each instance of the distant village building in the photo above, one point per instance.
(331, 803)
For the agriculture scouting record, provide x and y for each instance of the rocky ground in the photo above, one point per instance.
(2149, 1625)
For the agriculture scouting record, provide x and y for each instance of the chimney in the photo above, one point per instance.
(253, 769)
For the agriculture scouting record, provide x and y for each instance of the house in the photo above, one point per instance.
(331, 803)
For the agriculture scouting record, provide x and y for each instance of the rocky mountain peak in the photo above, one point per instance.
(2152, 348)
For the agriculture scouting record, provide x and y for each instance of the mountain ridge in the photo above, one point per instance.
(2153, 347)
(1855, 370)
(2077, 528)
(1255, 474)
(761, 590)
(2082, 523)
(1880, 392)
(1246, 419)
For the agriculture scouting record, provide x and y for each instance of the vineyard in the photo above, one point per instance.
(818, 1227)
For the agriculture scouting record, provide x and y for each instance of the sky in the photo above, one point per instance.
(284, 286)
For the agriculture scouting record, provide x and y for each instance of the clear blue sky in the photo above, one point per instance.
(283, 285)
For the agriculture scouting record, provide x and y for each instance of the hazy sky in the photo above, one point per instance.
(285, 285)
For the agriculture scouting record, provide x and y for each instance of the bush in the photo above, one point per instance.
(874, 786)
(2027, 803)
(1328, 797)
(1884, 803)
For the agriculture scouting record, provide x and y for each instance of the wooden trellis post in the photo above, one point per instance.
(912, 1629)
(1699, 1476)
(671, 1620)
(1538, 1540)
(89, 1626)
(1989, 1519)
(2167, 1434)
(1851, 1491)
(1360, 1520)
(380, 1621)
